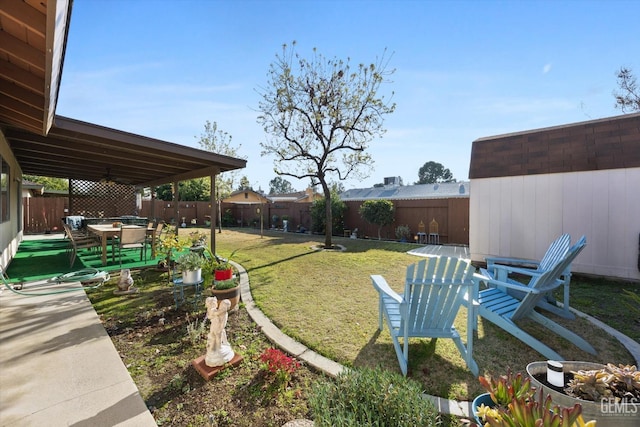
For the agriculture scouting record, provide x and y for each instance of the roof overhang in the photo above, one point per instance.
(79, 150)
(33, 39)
(33, 36)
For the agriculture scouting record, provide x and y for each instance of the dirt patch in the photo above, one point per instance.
(158, 347)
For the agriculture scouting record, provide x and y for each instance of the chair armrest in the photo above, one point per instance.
(514, 269)
(512, 261)
(381, 285)
(489, 280)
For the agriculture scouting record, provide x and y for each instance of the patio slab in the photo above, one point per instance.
(58, 366)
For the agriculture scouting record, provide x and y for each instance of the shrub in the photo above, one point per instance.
(370, 397)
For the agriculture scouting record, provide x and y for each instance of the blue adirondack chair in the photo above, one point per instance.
(502, 267)
(502, 309)
(435, 288)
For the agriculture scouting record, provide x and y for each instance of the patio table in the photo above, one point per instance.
(107, 231)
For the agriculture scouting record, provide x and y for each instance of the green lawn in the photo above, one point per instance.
(326, 301)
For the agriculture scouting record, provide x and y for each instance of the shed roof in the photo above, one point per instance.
(609, 143)
(445, 190)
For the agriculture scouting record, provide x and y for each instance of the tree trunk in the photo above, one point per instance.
(328, 227)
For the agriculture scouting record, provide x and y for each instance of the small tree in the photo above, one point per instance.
(321, 118)
(379, 212)
(628, 100)
(219, 142)
(432, 172)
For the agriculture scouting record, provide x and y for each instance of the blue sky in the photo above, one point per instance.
(464, 69)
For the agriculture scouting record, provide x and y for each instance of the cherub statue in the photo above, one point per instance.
(219, 351)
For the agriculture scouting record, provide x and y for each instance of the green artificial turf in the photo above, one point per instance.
(47, 258)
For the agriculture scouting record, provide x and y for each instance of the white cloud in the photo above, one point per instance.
(546, 68)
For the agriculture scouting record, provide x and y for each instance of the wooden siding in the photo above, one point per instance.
(520, 216)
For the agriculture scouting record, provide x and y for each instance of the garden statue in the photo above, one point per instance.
(219, 351)
(125, 284)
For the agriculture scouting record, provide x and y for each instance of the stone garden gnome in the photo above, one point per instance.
(219, 351)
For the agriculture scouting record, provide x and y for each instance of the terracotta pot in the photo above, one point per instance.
(606, 413)
(232, 294)
(223, 274)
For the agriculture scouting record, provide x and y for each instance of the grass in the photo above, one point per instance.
(326, 301)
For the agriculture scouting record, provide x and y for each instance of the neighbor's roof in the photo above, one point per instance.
(445, 190)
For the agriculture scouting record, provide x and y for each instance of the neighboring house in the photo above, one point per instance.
(31, 189)
(581, 178)
(246, 197)
(446, 203)
(307, 196)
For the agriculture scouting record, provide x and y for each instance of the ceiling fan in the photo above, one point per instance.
(107, 178)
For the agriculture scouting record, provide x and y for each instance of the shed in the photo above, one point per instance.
(580, 178)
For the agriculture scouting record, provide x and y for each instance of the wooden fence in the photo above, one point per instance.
(42, 214)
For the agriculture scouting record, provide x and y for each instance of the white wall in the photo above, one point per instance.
(10, 238)
(520, 216)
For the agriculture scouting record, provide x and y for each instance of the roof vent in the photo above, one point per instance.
(435, 186)
(393, 181)
(461, 189)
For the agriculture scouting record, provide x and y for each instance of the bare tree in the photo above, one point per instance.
(628, 99)
(321, 116)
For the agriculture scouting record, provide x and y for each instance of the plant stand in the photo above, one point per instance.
(178, 291)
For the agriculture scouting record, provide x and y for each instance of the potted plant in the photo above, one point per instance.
(403, 232)
(222, 270)
(609, 394)
(227, 289)
(512, 402)
(197, 238)
(190, 265)
(167, 244)
(500, 392)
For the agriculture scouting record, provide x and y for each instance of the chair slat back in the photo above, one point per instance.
(434, 289)
(556, 251)
(130, 235)
(548, 281)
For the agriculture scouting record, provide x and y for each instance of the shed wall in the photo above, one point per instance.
(519, 216)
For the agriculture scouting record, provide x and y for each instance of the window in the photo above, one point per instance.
(4, 190)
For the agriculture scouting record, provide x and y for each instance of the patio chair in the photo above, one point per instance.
(131, 237)
(502, 309)
(502, 268)
(77, 242)
(435, 288)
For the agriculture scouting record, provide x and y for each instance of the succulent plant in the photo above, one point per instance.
(621, 382)
(506, 388)
(626, 381)
(538, 413)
